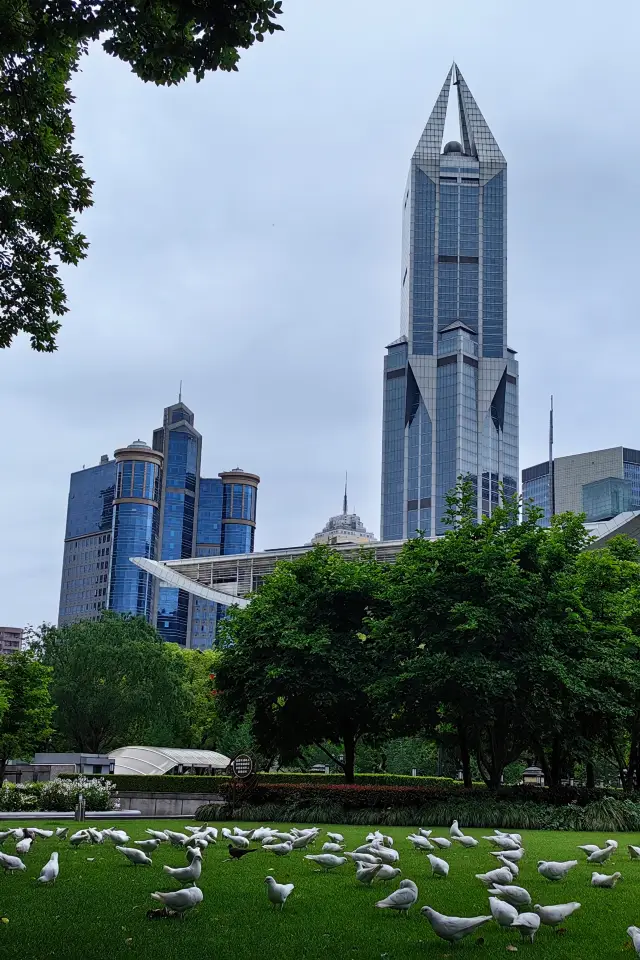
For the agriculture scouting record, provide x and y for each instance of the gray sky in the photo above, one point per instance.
(245, 238)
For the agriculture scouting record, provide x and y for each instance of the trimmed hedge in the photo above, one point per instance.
(191, 784)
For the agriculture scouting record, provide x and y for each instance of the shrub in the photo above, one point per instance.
(62, 794)
(163, 783)
(605, 815)
(19, 796)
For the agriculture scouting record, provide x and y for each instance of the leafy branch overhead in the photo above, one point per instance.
(43, 185)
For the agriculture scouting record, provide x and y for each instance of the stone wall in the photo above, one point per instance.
(165, 804)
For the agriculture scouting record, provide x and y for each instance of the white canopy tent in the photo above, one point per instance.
(158, 760)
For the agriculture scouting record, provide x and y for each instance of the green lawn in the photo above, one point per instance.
(98, 909)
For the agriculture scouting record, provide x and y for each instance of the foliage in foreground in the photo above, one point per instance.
(25, 721)
(42, 183)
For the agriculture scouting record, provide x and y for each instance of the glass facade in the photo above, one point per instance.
(134, 530)
(450, 404)
(87, 546)
(182, 447)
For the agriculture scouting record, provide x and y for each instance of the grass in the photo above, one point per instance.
(97, 910)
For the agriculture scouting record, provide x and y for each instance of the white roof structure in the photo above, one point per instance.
(158, 760)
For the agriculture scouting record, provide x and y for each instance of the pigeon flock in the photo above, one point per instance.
(376, 862)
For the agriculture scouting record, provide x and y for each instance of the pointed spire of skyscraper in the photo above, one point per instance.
(430, 143)
(477, 137)
(344, 501)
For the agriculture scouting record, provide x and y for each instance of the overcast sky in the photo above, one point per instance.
(245, 238)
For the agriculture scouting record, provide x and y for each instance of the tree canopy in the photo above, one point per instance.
(25, 707)
(116, 682)
(299, 661)
(42, 182)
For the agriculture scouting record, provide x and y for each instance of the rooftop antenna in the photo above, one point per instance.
(552, 505)
(344, 501)
(180, 393)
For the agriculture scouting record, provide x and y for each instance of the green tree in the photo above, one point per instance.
(115, 682)
(25, 721)
(299, 662)
(486, 622)
(201, 713)
(42, 182)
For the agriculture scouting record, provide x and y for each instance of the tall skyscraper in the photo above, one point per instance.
(151, 502)
(450, 404)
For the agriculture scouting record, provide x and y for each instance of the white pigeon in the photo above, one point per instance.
(147, 845)
(158, 835)
(501, 875)
(376, 835)
(554, 870)
(401, 899)
(634, 852)
(137, 857)
(186, 874)
(601, 856)
(198, 841)
(441, 842)
(332, 847)
(514, 836)
(259, 834)
(336, 837)
(420, 843)
(118, 837)
(9, 864)
(513, 867)
(176, 839)
(23, 846)
(452, 928)
(18, 833)
(61, 832)
(388, 841)
(424, 833)
(503, 913)
(195, 829)
(278, 892)
(328, 861)
(39, 832)
(513, 855)
(364, 848)
(362, 857)
(385, 872)
(81, 836)
(589, 848)
(95, 835)
(611, 843)
(528, 925)
(212, 832)
(280, 849)
(241, 842)
(503, 843)
(50, 870)
(517, 896)
(605, 879)
(439, 868)
(555, 915)
(281, 835)
(366, 872)
(466, 841)
(301, 842)
(454, 831)
(244, 833)
(634, 933)
(386, 854)
(180, 900)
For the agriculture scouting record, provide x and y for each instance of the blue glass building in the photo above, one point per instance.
(151, 502)
(87, 542)
(226, 525)
(181, 445)
(450, 385)
(135, 528)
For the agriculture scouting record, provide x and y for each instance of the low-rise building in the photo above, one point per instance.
(10, 640)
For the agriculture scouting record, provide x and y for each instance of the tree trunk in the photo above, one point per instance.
(591, 775)
(465, 757)
(3, 770)
(349, 765)
(556, 762)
